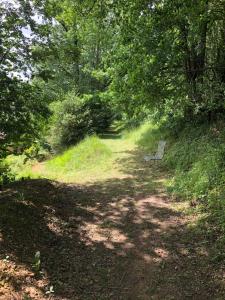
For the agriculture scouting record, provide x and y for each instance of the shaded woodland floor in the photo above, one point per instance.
(118, 238)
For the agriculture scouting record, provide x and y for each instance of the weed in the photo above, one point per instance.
(21, 197)
(37, 262)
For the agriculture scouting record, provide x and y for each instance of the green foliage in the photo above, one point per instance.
(75, 117)
(142, 135)
(197, 158)
(168, 57)
(19, 166)
(22, 115)
(6, 175)
(39, 151)
(14, 45)
(23, 109)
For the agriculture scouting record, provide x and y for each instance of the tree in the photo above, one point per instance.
(22, 108)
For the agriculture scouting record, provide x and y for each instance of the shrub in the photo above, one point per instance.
(6, 175)
(75, 117)
(101, 114)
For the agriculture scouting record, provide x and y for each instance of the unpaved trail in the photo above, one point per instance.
(119, 238)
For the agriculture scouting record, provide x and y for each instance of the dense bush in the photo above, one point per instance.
(100, 113)
(75, 117)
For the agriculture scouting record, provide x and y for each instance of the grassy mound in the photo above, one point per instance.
(83, 161)
(92, 159)
(87, 154)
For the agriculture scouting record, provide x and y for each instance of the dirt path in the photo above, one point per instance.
(120, 238)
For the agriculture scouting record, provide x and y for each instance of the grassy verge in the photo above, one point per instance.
(196, 160)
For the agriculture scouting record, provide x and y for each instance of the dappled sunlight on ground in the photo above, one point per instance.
(144, 222)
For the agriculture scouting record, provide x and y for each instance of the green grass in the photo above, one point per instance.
(19, 168)
(196, 160)
(145, 137)
(86, 154)
(90, 155)
(80, 163)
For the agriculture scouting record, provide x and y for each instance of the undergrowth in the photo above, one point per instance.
(20, 167)
(145, 136)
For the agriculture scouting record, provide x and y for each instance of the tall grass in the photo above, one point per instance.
(80, 163)
(19, 167)
(197, 159)
(87, 154)
(88, 157)
(145, 136)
